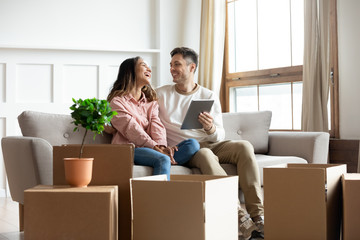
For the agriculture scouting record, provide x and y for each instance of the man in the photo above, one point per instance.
(174, 100)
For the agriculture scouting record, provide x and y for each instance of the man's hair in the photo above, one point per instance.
(187, 53)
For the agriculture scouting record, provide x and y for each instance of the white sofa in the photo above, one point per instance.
(28, 158)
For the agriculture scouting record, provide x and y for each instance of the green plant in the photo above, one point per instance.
(91, 114)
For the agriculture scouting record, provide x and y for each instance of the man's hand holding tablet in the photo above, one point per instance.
(197, 115)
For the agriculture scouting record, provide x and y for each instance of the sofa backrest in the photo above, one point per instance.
(250, 126)
(57, 129)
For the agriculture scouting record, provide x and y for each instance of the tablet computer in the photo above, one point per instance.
(196, 107)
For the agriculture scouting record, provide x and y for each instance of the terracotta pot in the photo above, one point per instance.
(78, 171)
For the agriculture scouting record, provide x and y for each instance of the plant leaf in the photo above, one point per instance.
(91, 114)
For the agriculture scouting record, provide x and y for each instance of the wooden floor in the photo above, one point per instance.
(9, 220)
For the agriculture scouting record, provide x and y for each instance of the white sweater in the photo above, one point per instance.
(173, 106)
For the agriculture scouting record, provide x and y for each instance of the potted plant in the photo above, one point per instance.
(92, 115)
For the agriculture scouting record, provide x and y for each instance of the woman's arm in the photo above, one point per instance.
(156, 129)
(128, 126)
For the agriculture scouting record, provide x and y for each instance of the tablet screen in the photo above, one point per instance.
(196, 107)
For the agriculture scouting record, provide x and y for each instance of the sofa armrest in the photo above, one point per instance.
(28, 162)
(312, 146)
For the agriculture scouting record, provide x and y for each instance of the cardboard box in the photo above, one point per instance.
(60, 212)
(191, 207)
(113, 165)
(303, 201)
(351, 206)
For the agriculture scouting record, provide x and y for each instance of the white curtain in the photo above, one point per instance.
(212, 38)
(316, 74)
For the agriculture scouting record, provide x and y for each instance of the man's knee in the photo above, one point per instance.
(242, 146)
(207, 162)
(204, 153)
(203, 157)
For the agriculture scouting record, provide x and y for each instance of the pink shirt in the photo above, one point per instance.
(137, 122)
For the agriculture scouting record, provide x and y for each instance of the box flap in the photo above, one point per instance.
(351, 206)
(333, 184)
(312, 165)
(351, 176)
(161, 177)
(195, 177)
(221, 202)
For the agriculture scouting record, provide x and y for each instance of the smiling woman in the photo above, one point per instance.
(138, 120)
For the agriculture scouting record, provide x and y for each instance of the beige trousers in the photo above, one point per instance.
(241, 154)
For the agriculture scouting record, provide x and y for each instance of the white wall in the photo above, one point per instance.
(188, 12)
(349, 68)
(81, 23)
(51, 51)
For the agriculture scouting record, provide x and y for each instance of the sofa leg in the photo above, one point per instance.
(21, 217)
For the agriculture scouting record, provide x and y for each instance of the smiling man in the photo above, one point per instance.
(174, 100)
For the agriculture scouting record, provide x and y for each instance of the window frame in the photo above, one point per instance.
(284, 74)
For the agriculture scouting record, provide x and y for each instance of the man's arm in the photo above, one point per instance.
(212, 122)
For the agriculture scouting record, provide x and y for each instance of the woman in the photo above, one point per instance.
(138, 120)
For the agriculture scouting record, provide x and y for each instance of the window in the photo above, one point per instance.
(264, 57)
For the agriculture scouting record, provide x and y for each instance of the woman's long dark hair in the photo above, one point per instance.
(126, 79)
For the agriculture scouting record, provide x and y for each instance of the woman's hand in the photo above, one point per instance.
(108, 128)
(169, 151)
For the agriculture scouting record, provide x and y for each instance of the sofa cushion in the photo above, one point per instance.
(142, 171)
(57, 129)
(265, 161)
(250, 126)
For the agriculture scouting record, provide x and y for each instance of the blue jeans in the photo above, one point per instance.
(161, 162)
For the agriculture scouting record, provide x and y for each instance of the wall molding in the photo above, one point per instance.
(77, 48)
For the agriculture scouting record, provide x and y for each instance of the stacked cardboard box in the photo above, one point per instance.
(191, 207)
(351, 206)
(60, 212)
(113, 165)
(303, 201)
